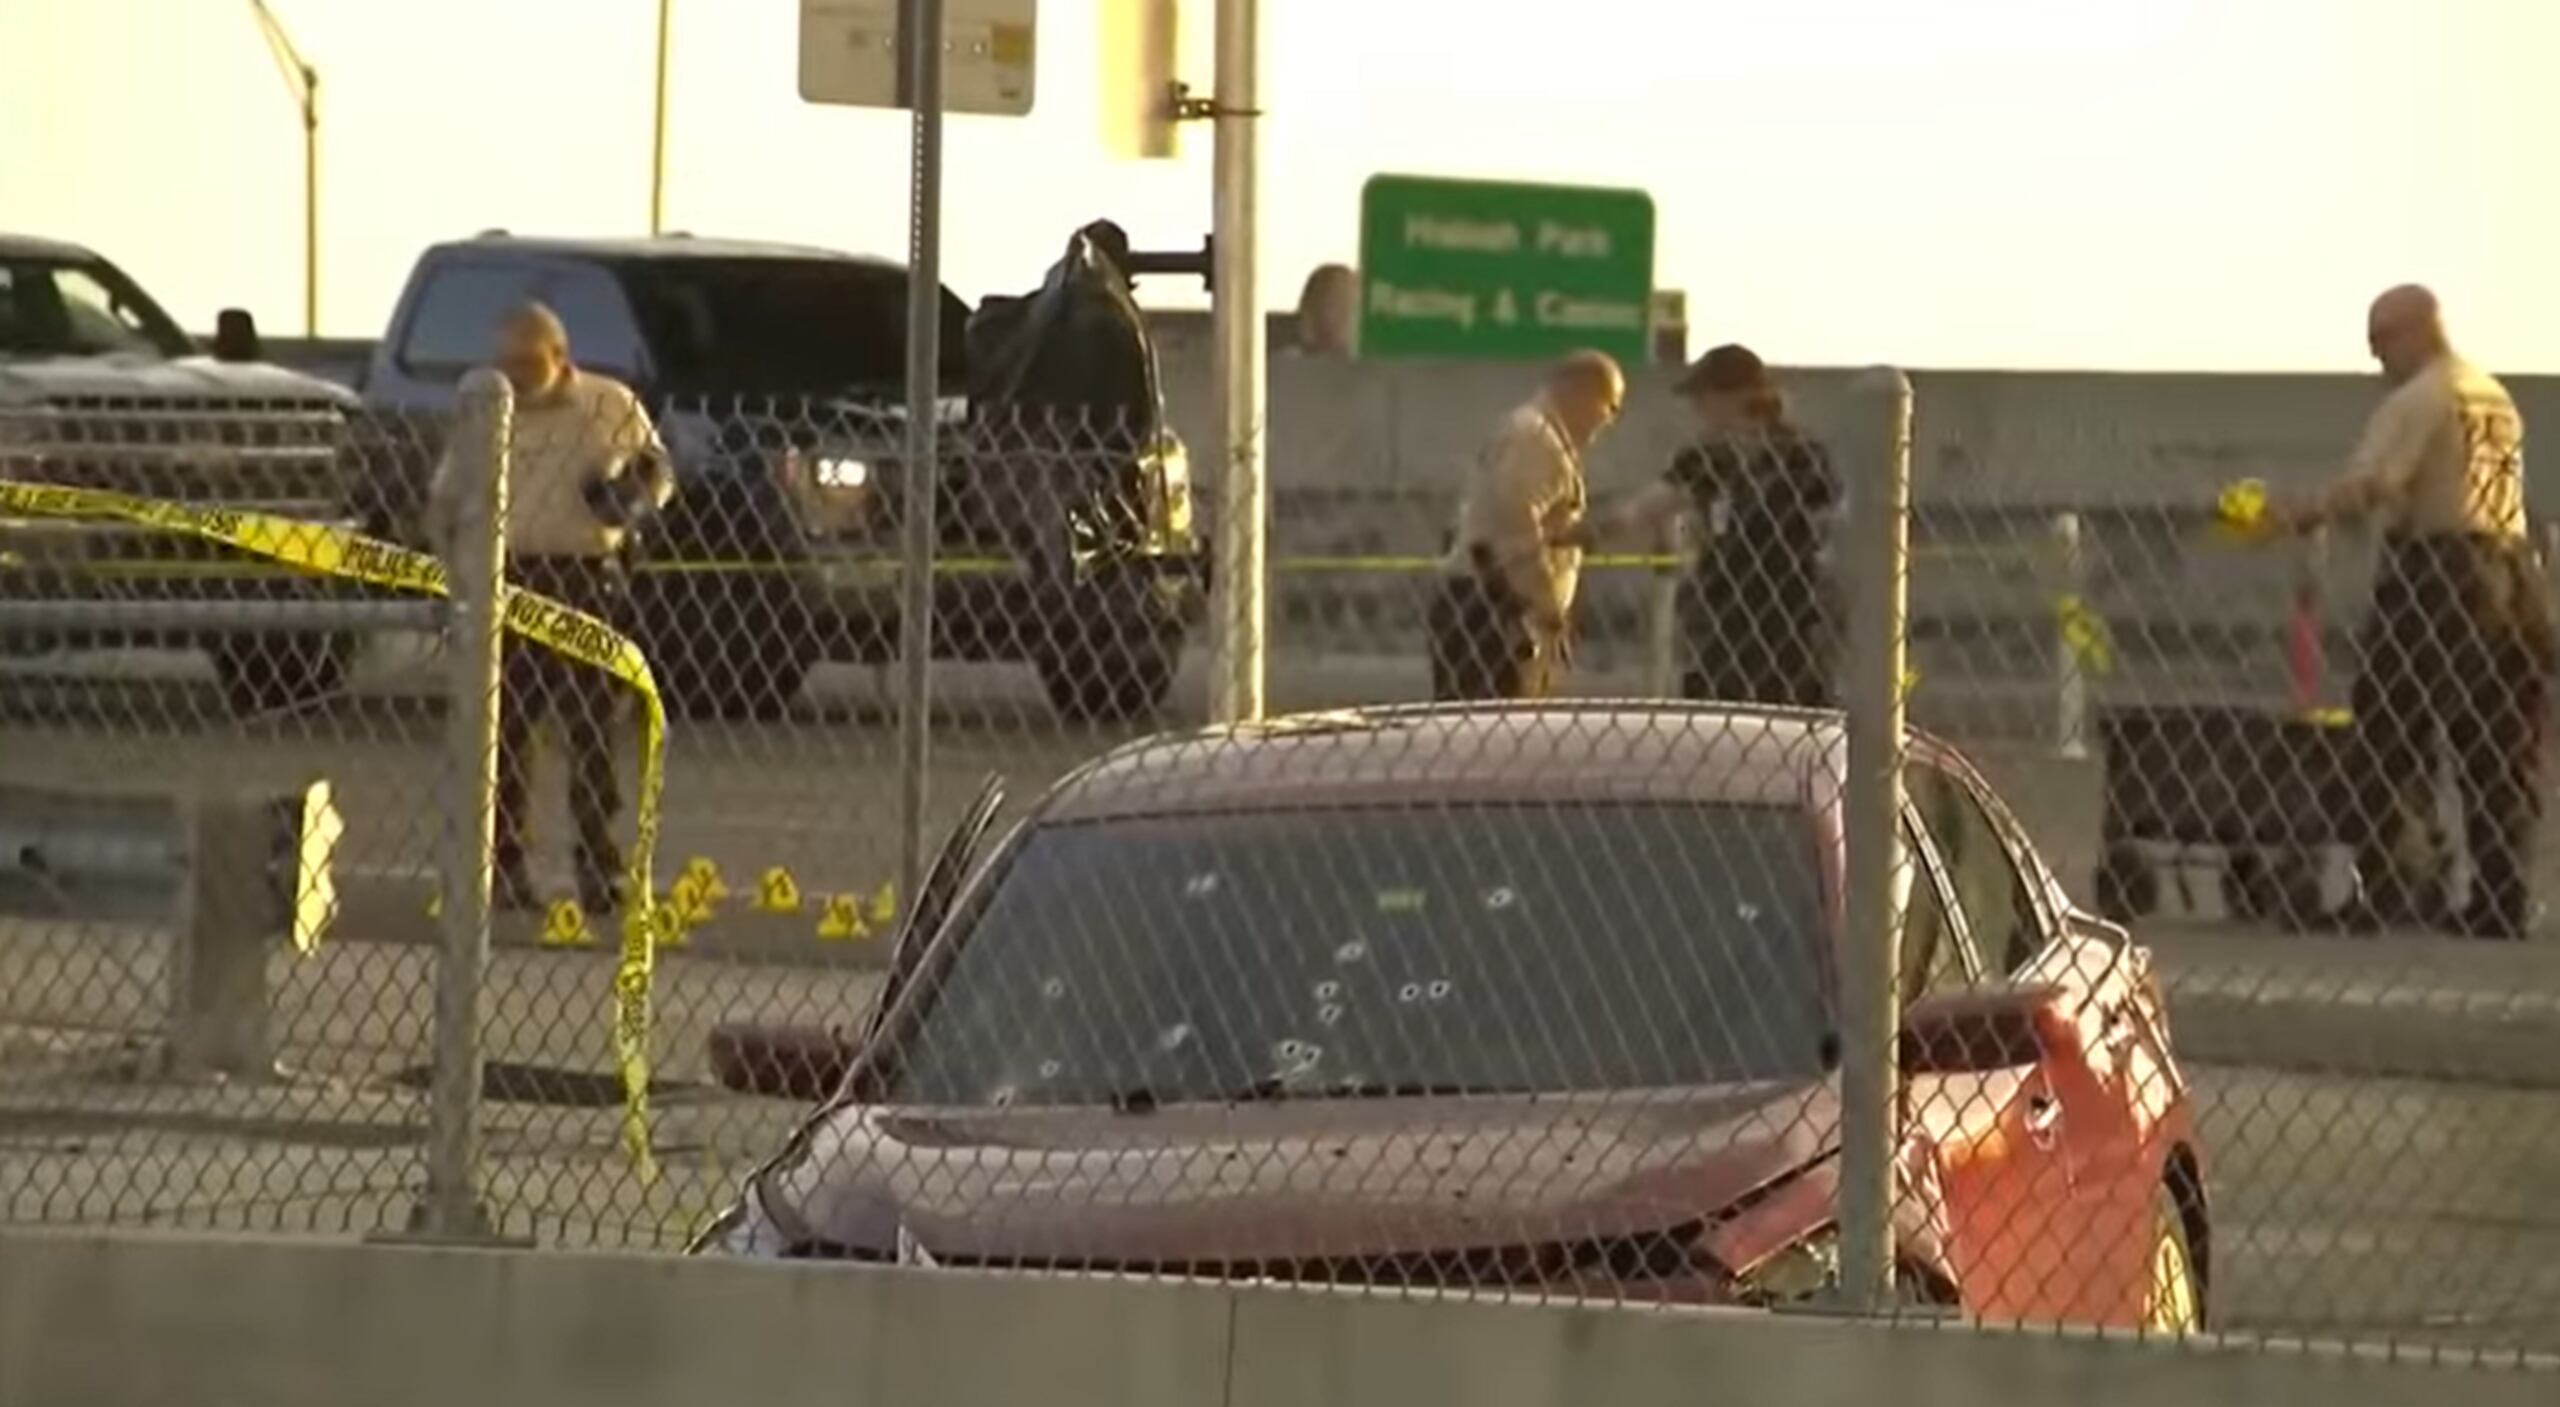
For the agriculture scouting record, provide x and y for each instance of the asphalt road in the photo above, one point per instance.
(2413, 1210)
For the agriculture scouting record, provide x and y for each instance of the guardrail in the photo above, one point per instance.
(231, 874)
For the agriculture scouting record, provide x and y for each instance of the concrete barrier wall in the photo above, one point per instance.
(209, 1322)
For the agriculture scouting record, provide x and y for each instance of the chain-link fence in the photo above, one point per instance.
(1559, 1002)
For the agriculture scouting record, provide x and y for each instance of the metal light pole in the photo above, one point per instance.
(920, 23)
(302, 81)
(1236, 310)
(658, 131)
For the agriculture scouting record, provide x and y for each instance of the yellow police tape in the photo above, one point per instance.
(346, 556)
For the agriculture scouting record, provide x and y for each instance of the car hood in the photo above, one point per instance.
(35, 380)
(1290, 1181)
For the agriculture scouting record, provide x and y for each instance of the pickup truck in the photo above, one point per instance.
(776, 375)
(99, 388)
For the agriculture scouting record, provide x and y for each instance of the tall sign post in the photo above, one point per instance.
(894, 53)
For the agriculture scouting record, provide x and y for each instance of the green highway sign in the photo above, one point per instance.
(1497, 270)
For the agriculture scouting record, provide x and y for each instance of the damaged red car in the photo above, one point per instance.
(1522, 1000)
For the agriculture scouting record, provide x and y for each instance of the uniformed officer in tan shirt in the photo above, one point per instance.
(584, 467)
(2459, 641)
(1499, 618)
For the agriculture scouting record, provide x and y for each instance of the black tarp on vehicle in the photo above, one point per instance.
(1076, 347)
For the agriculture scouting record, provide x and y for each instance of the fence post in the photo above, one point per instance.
(2071, 673)
(2305, 645)
(1662, 616)
(475, 572)
(1879, 528)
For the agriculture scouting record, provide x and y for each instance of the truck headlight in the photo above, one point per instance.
(841, 472)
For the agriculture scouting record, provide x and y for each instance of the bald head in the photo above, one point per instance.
(1585, 391)
(533, 348)
(2405, 330)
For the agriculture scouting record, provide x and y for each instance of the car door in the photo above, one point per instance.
(1981, 1139)
(2079, 1113)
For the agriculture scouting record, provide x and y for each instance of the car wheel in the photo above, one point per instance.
(2173, 1302)
(1110, 680)
(1115, 658)
(2127, 887)
(272, 673)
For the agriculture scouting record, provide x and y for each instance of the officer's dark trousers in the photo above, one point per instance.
(1481, 644)
(2455, 655)
(535, 683)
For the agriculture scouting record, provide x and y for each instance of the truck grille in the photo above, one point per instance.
(280, 456)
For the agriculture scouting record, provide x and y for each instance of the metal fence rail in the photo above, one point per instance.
(1541, 1008)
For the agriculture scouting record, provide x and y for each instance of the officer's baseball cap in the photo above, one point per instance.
(1731, 367)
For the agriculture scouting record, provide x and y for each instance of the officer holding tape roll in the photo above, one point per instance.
(584, 468)
(2459, 641)
(1499, 622)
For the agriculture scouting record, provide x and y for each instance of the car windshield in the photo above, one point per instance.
(778, 326)
(72, 308)
(1384, 951)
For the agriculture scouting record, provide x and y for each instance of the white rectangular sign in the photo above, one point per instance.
(850, 54)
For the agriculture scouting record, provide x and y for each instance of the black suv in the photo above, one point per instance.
(776, 374)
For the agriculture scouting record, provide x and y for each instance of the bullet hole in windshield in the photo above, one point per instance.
(1501, 898)
(1053, 988)
(1295, 1057)
(1174, 1037)
(1351, 952)
(1049, 1069)
(1328, 1014)
(1200, 886)
(1328, 991)
(1439, 990)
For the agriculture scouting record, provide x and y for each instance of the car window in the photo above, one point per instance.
(1999, 909)
(602, 334)
(50, 308)
(1933, 958)
(777, 326)
(456, 319)
(1437, 947)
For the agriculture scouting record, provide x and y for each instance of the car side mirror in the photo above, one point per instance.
(1973, 1032)
(235, 337)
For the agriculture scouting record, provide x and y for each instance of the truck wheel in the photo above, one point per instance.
(722, 645)
(273, 673)
(1110, 676)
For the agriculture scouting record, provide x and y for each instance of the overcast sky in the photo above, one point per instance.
(2087, 183)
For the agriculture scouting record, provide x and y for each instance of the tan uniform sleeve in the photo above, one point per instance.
(1526, 478)
(636, 449)
(2387, 459)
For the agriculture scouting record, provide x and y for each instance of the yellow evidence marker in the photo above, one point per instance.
(706, 875)
(842, 920)
(566, 926)
(2241, 509)
(778, 892)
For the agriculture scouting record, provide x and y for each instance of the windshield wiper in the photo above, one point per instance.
(1146, 1099)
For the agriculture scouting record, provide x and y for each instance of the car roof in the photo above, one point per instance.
(1598, 751)
(18, 246)
(660, 247)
